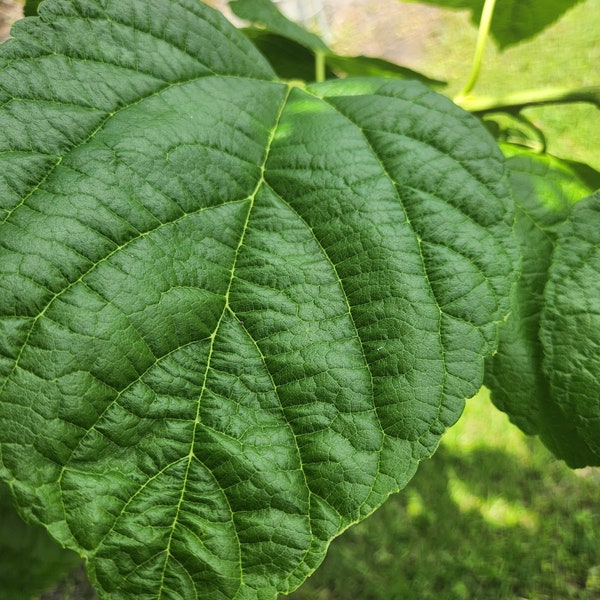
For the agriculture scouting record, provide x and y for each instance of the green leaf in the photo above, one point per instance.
(265, 13)
(545, 189)
(570, 323)
(234, 313)
(514, 20)
(367, 66)
(291, 50)
(289, 59)
(31, 559)
(31, 7)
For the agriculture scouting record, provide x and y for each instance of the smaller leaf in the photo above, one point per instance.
(367, 66)
(515, 131)
(289, 59)
(265, 13)
(31, 7)
(545, 189)
(570, 323)
(290, 49)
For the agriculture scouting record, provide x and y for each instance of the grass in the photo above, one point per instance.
(491, 516)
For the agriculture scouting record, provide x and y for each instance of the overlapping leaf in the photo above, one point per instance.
(235, 313)
(570, 323)
(545, 191)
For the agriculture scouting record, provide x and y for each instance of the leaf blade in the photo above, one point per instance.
(545, 190)
(568, 329)
(514, 20)
(195, 329)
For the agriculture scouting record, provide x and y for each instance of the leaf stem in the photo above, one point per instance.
(516, 101)
(319, 66)
(484, 29)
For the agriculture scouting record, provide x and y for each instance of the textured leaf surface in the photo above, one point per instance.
(235, 314)
(514, 20)
(570, 324)
(545, 190)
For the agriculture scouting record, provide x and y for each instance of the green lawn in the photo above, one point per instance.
(491, 516)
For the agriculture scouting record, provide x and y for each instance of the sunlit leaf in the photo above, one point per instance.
(234, 313)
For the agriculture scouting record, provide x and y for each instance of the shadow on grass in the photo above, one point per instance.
(479, 524)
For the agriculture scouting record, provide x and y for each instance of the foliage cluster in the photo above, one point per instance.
(247, 283)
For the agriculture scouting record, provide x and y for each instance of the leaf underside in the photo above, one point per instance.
(234, 314)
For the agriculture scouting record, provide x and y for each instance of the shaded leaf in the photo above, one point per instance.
(265, 13)
(290, 49)
(234, 313)
(289, 59)
(366, 66)
(514, 20)
(31, 7)
(515, 131)
(570, 324)
(545, 190)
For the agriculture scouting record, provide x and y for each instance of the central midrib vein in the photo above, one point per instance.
(226, 308)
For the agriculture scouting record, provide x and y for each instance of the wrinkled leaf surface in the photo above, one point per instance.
(570, 324)
(235, 313)
(545, 190)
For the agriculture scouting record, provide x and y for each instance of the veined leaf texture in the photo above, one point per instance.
(235, 313)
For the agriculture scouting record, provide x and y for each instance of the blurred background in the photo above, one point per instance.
(492, 515)
(440, 44)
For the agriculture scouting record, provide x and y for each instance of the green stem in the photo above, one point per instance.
(319, 66)
(519, 100)
(484, 29)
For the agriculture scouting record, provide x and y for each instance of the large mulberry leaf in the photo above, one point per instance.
(235, 313)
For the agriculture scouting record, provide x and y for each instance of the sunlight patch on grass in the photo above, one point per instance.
(494, 510)
(497, 433)
(414, 504)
